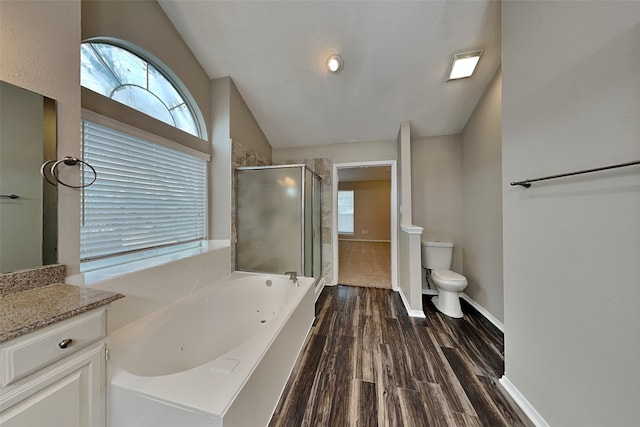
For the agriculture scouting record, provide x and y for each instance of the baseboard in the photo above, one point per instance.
(410, 311)
(490, 317)
(528, 409)
(365, 240)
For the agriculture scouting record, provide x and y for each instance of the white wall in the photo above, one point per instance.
(571, 97)
(436, 165)
(482, 200)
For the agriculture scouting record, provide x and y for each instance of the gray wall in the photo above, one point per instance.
(571, 96)
(405, 178)
(482, 201)
(40, 52)
(232, 121)
(145, 24)
(340, 153)
(436, 173)
(220, 167)
(244, 128)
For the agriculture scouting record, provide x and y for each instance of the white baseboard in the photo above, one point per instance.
(410, 311)
(490, 317)
(523, 403)
(365, 240)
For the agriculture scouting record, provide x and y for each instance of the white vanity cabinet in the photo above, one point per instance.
(55, 376)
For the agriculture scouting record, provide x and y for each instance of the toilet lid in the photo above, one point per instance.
(448, 276)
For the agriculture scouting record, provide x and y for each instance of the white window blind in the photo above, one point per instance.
(147, 196)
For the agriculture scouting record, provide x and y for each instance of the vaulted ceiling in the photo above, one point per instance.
(396, 57)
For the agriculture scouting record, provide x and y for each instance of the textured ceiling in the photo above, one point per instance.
(396, 56)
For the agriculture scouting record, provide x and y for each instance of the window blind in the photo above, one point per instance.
(147, 196)
(345, 211)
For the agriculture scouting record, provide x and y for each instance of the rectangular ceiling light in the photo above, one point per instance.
(464, 64)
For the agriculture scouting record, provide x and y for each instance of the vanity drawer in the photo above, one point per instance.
(25, 355)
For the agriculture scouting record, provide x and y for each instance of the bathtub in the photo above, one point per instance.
(219, 357)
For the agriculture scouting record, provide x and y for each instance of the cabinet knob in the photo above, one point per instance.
(65, 343)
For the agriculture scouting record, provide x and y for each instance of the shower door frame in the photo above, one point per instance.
(303, 168)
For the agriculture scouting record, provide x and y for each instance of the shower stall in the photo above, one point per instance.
(278, 226)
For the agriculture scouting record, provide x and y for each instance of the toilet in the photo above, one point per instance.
(436, 258)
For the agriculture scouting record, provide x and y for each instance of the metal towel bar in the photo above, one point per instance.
(527, 182)
(51, 166)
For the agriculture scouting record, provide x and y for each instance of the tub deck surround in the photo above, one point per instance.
(247, 331)
(32, 309)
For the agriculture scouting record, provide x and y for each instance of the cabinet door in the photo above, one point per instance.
(69, 394)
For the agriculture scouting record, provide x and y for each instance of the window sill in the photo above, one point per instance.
(106, 273)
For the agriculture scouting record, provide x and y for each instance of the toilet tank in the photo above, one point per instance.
(437, 255)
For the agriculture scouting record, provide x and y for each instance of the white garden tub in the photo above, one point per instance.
(219, 357)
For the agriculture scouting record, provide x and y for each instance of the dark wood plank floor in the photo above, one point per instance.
(366, 363)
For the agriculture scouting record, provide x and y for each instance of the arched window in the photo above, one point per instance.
(149, 198)
(129, 79)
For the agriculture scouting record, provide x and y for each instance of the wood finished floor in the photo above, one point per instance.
(366, 363)
(364, 263)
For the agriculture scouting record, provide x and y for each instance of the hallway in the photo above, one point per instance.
(365, 264)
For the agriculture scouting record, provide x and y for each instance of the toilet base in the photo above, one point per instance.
(448, 303)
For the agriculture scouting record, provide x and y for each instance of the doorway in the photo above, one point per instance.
(364, 224)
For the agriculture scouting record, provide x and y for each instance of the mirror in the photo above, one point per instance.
(28, 205)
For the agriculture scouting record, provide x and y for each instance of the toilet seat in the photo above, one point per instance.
(448, 277)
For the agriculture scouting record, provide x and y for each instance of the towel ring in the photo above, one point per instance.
(68, 161)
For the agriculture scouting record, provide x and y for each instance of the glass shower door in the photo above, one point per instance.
(308, 225)
(317, 227)
(269, 220)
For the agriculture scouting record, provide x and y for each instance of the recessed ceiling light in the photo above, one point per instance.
(464, 64)
(334, 63)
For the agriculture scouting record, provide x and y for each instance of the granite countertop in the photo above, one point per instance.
(29, 310)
